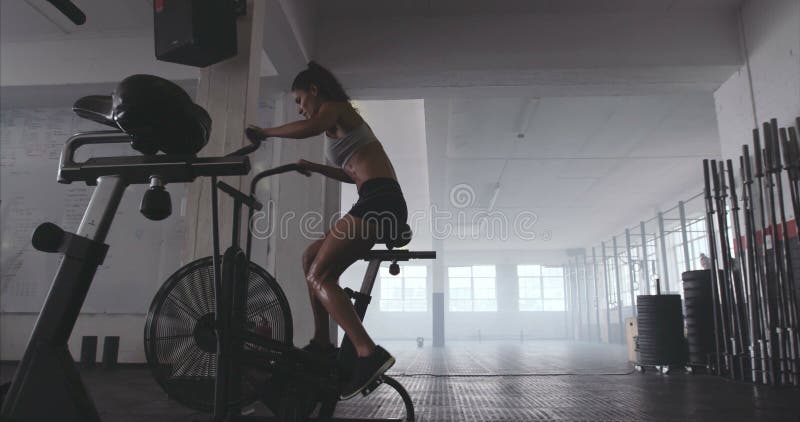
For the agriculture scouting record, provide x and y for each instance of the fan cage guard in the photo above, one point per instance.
(180, 345)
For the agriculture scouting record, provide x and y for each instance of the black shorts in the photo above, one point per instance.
(381, 201)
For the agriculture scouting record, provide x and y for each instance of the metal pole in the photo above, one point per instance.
(596, 295)
(684, 237)
(567, 304)
(726, 287)
(619, 291)
(759, 280)
(630, 269)
(712, 250)
(606, 291)
(588, 305)
(664, 266)
(644, 260)
(578, 304)
(723, 284)
(768, 274)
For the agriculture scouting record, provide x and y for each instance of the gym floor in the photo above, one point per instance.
(542, 380)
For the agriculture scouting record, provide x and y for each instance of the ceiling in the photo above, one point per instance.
(601, 147)
(386, 8)
(587, 167)
(33, 20)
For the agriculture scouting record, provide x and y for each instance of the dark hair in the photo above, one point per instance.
(328, 86)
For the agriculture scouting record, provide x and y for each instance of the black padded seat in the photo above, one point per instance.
(402, 238)
(97, 108)
(397, 255)
(157, 113)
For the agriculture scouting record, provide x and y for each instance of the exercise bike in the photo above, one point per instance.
(47, 385)
(252, 330)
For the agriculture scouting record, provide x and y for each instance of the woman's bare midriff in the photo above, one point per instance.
(369, 162)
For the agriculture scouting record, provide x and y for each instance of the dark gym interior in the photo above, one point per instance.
(410, 210)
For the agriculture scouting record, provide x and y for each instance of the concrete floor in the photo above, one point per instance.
(498, 381)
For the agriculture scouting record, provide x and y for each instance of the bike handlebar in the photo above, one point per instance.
(271, 172)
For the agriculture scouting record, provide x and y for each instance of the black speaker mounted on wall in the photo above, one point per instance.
(195, 32)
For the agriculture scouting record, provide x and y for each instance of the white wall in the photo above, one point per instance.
(771, 35)
(80, 60)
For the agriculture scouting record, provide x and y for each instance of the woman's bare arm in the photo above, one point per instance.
(325, 119)
(327, 171)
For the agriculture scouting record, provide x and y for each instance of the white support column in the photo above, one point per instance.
(229, 92)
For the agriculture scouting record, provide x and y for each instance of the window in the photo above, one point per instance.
(540, 288)
(611, 273)
(624, 278)
(696, 241)
(472, 289)
(405, 292)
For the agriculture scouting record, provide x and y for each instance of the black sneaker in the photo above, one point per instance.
(366, 371)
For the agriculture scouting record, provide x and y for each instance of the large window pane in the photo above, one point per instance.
(405, 292)
(472, 289)
(528, 270)
(483, 271)
(553, 288)
(459, 272)
(540, 288)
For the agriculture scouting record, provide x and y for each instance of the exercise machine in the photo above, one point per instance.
(252, 330)
(293, 381)
(47, 382)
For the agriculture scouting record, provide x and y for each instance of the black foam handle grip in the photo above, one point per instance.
(707, 183)
(743, 176)
(715, 178)
(748, 171)
(757, 150)
(767, 147)
(794, 147)
(732, 184)
(723, 188)
(69, 10)
(775, 145)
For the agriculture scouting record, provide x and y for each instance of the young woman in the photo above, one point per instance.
(359, 158)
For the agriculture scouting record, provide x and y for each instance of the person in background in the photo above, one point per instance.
(705, 262)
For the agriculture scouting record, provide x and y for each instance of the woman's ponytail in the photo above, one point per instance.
(327, 84)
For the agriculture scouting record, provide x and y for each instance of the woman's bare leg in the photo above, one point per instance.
(322, 333)
(347, 242)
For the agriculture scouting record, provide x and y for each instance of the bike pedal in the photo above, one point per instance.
(372, 387)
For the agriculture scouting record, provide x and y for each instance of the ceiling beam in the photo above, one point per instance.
(283, 41)
(532, 55)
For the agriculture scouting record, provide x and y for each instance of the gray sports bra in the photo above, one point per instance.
(340, 150)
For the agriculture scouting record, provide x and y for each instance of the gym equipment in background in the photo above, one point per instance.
(660, 340)
(292, 381)
(698, 303)
(47, 370)
(754, 297)
(245, 315)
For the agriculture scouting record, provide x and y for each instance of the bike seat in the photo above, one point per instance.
(158, 114)
(96, 108)
(399, 238)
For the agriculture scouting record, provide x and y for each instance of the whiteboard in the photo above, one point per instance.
(142, 253)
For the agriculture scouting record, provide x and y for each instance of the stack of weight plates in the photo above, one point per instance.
(660, 320)
(699, 315)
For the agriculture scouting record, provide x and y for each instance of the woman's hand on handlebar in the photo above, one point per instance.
(255, 134)
(304, 167)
